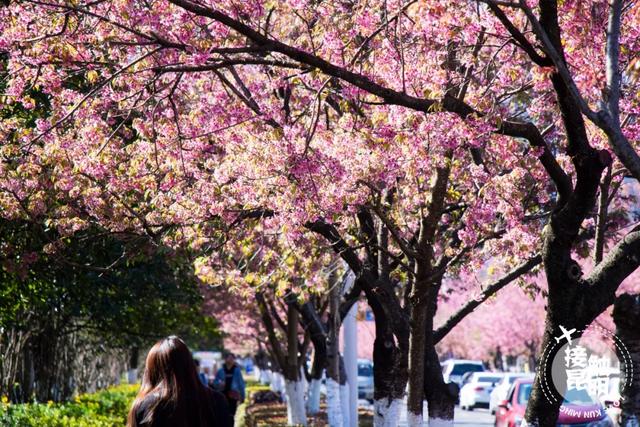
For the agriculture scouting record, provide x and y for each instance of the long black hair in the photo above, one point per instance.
(170, 385)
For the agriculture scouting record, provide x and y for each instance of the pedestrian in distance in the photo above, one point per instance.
(201, 375)
(230, 382)
(172, 395)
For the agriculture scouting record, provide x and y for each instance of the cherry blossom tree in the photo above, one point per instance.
(207, 112)
(260, 268)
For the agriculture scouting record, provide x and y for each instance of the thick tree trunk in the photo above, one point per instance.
(626, 314)
(390, 378)
(417, 341)
(441, 397)
(540, 410)
(386, 412)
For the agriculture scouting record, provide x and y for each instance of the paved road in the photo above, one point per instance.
(477, 417)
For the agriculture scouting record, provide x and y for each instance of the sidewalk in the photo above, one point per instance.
(478, 417)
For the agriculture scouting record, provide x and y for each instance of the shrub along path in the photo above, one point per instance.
(106, 408)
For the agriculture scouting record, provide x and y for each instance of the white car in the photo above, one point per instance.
(501, 390)
(477, 389)
(454, 369)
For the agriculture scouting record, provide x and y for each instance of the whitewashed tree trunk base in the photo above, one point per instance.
(440, 422)
(277, 382)
(415, 420)
(344, 405)
(296, 411)
(132, 376)
(386, 413)
(334, 407)
(313, 400)
(264, 377)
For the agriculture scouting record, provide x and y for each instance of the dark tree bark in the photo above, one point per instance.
(573, 301)
(391, 344)
(134, 356)
(441, 397)
(626, 315)
(312, 322)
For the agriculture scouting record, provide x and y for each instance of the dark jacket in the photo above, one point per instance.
(217, 414)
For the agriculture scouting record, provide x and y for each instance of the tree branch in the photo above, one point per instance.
(490, 290)
(390, 96)
(517, 35)
(622, 260)
(339, 245)
(273, 339)
(191, 68)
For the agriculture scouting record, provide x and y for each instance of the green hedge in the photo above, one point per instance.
(106, 408)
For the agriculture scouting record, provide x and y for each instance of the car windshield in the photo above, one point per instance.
(523, 393)
(365, 370)
(574, 396)
(461, 368)
(488, 379)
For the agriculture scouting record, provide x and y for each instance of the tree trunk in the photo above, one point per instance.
(294, 386)
(296, 413)
(132, 372)
(386, 412)
(335, 375)
(317, 330)
(417, 341)
(317, 369)
(540, 411)
(531, 348)
(626, 315)
(313, 399)
(497, 359)
(344, 398)
(441, 397)
(389, 375)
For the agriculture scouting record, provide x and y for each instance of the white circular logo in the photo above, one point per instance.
(585, 371)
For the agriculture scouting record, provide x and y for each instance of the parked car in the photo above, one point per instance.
(500, 391)
(365, 379)
(611, 399)
(511, 411)
(477, 388)
(454, 369)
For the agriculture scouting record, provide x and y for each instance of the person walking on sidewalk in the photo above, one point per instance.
(172, 395)
(230, 382)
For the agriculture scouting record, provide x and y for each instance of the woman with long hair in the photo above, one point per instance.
(172, 395)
